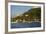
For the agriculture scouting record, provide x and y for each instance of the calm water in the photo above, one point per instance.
(25, 25)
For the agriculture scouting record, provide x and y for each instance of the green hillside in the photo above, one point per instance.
(34, 13)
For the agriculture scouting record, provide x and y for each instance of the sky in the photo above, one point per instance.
(18, 10)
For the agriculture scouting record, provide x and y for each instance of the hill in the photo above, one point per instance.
(31, 14)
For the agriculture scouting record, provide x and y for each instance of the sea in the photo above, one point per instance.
(25, 25)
